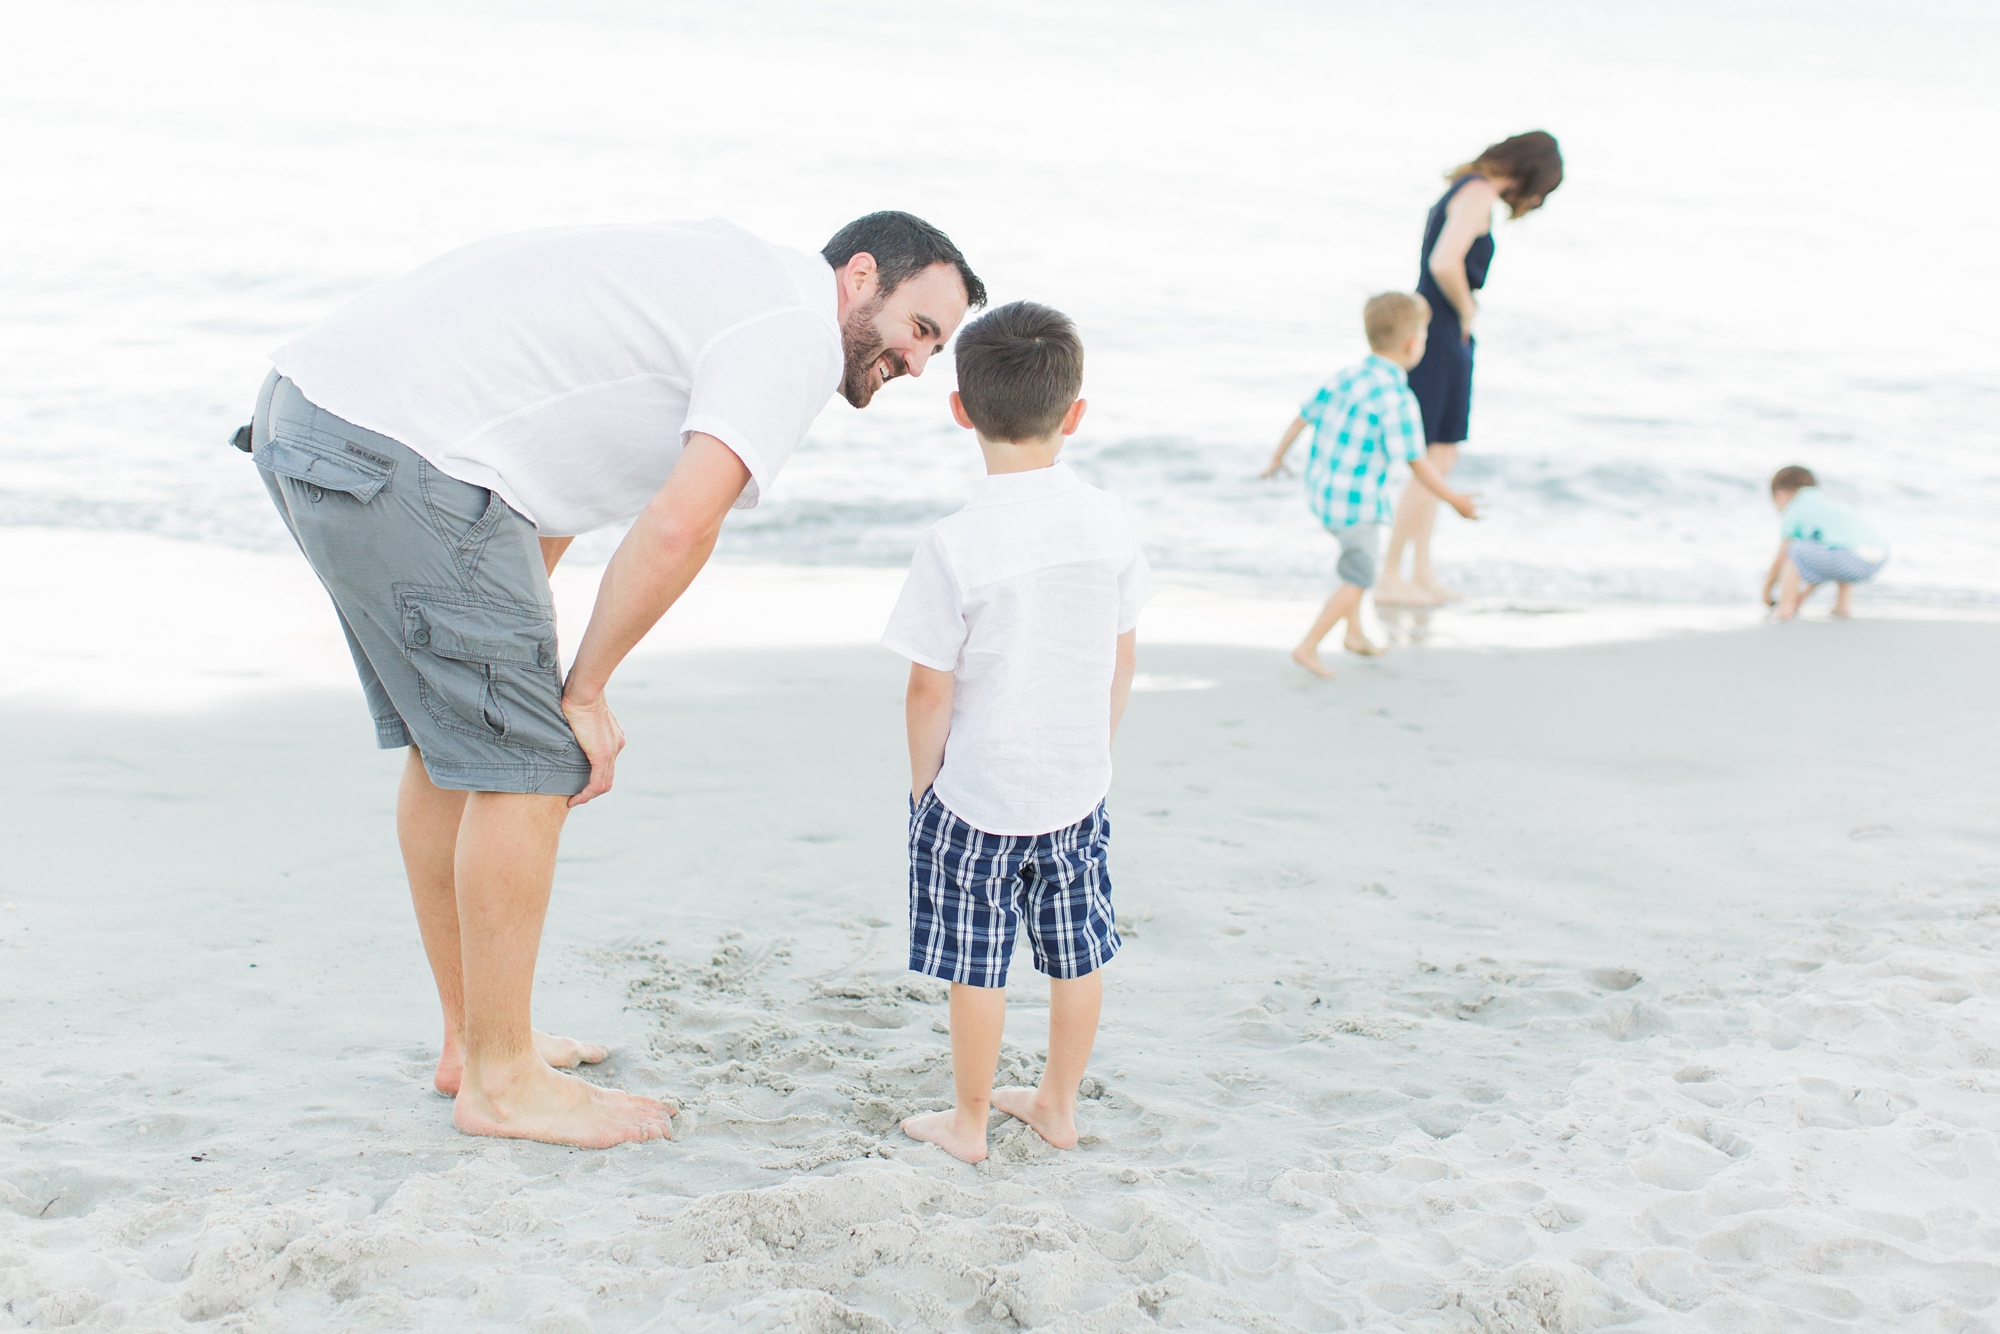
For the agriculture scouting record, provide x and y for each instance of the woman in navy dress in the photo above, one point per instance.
(1458, 246)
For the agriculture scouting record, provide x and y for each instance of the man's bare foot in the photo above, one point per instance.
(944, 1129)
(1362, 645)
(531, 1101)
(1441, 592)
(1054, 1124)
(1309, 659)
(1396, 593)
(562, 1053)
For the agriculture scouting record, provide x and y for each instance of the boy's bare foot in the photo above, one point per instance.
(562, 1053)
(567, 1053)
(1362, 645)
(1054, 1124)
(531, 1101)
(1309, 659)
(944, 1130)
(1396, 593)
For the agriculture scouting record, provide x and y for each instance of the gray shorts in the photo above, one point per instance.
(441, 590)
(1359, 543)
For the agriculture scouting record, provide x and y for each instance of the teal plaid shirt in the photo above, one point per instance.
(1361, 418)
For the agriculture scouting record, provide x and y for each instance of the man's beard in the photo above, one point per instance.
(863, 348)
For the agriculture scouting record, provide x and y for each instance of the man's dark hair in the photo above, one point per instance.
(903, 245)
(1020, 366)
(1792, 478)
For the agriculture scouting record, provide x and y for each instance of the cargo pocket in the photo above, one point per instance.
(348, 467)
(486, 667)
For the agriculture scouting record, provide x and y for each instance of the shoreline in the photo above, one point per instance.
(129, 621)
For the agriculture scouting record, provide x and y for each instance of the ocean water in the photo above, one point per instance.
(1769, 250)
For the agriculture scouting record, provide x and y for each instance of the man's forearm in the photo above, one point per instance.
(642, 581)
(659, 558)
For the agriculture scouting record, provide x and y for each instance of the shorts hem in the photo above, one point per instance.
(1082, 970)
(392, 735)
(543, 779)
(944, 973)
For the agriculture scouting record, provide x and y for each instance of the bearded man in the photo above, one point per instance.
(436, 443)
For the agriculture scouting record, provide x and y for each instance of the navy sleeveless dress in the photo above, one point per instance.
(1442, 381)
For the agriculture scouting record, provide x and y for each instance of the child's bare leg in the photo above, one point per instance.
(1792, 593)
(1345, 603)
(1074, 1004)
(978, 1016)
(1356, 640)
(1841, 606)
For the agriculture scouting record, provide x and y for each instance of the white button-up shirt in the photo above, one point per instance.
(1021, 596)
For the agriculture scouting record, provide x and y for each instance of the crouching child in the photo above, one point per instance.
(1820, 541)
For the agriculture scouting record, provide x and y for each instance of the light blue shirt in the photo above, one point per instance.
(1361, 418)
(1817, 517)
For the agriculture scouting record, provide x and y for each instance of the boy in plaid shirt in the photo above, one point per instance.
(1361, 417)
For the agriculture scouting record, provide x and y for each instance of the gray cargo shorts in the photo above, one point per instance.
(441, 590)
(1360, 545)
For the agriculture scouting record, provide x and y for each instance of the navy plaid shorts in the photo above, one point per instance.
(969, 891)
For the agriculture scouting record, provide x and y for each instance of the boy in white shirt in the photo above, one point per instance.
(1018, 619)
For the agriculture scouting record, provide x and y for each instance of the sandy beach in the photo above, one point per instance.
(1601, 957)
(1644, 984)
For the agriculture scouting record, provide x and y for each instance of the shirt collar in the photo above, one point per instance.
(1381, 362)
(1011, 488)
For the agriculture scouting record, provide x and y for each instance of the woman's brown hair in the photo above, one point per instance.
(1532, 161)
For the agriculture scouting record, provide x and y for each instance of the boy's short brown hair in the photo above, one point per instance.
(1020, 366)
(1792, 478)
(1392, 317)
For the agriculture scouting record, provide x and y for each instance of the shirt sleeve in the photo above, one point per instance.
(928, 624)
(1403, 425)
(1793, 518)
(758, 387)
(1315, 407)
(1135, 590)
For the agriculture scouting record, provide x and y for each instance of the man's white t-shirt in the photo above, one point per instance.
(1021, 596)
(566, 368)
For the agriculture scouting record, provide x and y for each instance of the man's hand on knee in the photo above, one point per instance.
(601, 738)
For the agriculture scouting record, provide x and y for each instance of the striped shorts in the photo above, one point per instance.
(1821, 564)
(969, 891)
